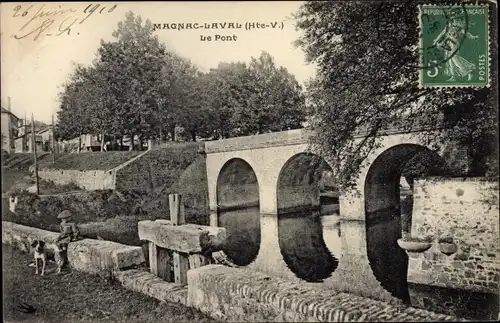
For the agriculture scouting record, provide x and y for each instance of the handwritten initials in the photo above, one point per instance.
(46, 24)
(37, 26)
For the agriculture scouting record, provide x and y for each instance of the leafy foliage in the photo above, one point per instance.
(367, 80)
(136, 87)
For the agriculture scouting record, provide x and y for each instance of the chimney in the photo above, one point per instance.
(8, 103)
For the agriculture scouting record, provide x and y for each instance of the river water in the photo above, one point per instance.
(312, 256)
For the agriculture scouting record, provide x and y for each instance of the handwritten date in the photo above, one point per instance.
(40, 20)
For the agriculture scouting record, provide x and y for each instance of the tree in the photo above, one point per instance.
(74, 117)
(131, 66)
(276, 101)
(229, 85)
(257, 98)
(367, 78)
(181, 104)
(119, 93)
(194, 116)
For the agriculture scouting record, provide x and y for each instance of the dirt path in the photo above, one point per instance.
(79, 297)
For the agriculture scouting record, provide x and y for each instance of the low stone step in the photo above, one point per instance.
(243, 295)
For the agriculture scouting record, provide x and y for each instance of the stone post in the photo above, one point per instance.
(214, 218)
(178, 217)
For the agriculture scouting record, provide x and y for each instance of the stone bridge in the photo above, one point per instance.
(265, 190)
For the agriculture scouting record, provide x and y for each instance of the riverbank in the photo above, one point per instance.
(79, 297)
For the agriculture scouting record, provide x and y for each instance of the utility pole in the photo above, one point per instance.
(25, 134)
(53, 142)
(34, 153)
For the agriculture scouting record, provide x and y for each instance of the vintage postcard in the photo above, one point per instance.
(250, 161)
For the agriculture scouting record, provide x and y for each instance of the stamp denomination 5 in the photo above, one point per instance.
(454, 45)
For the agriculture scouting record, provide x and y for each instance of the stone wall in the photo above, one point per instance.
(87, 179)
(467, 211)
(87, 255)
(135, 174)
(154, 168)
(161, 166)
(230, 294)
(242, 295)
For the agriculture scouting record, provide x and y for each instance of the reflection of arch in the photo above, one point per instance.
(300, 233)
(383, 211)
(238, 210)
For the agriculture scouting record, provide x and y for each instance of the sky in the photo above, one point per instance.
(37, 52)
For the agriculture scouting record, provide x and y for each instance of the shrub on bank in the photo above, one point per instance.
(111, 215)
(85, 207)
(49, 187)
(114, 215)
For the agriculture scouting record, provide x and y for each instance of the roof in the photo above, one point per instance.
(47, 128)
(37, 132)
(37, 136)
(10, 112)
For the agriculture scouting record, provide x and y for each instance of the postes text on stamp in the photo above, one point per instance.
(454, 46)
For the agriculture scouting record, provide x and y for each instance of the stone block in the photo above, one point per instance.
(182, 238)
(151, 285)
(95, 256)
(21, 236)
(86, 255)
(242, 295)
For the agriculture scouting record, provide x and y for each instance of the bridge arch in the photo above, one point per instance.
(382, 202)
(300, 228)
(238, 210)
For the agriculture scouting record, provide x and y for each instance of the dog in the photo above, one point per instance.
(40, 254)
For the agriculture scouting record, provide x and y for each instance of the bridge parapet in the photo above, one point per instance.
(289, 137)
(273, 139)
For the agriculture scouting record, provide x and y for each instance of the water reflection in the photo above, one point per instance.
(310, 245)
(388, 261)
(243, 234)
(303, 247)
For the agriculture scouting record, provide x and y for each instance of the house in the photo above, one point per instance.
(24, 143)
(11, 125)
(43, 139)
(87, 143)
(91, 143)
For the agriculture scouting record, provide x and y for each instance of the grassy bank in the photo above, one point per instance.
(79, 297)
(114, 215)
(14, 179)
(89, 160)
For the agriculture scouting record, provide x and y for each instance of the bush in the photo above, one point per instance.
(86, 206)
(28, 213)
(49, 187)
(121, 229)
(114, 215)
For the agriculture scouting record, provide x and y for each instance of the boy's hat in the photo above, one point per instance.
(64, 215)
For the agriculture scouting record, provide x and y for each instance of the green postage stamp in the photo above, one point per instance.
(454, 45)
